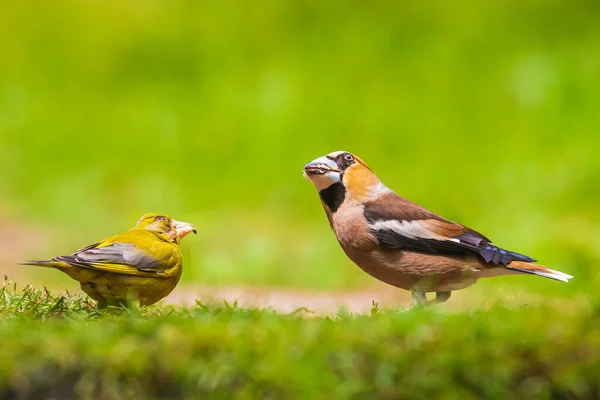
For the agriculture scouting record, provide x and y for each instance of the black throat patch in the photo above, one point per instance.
(333, 196)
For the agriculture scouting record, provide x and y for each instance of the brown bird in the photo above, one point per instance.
(402, 243)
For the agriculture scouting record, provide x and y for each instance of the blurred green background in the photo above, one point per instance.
(486, 112)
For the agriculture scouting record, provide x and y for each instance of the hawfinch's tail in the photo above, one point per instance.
(540, 270)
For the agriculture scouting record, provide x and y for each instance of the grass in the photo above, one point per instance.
(61, 348)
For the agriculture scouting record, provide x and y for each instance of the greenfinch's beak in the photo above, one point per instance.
(183, 228)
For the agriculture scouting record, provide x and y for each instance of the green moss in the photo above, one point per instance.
(227, 352)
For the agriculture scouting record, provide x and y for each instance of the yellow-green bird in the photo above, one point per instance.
(142, 264)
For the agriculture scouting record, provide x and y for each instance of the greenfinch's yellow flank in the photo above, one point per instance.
(143, 264)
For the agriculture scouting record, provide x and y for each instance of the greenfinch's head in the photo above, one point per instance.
(165, 224)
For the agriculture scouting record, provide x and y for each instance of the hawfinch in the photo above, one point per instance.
(402, 243)
(142, 264)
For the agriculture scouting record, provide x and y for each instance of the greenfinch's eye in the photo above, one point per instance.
(161, 218)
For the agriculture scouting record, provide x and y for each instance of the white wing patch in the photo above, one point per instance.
(409, 229)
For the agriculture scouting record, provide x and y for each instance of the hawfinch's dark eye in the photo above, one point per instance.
(161, 218)
(348, 157)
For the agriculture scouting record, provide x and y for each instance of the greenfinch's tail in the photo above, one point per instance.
(47, 263)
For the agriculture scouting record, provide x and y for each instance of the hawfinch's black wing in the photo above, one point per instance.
(397, 223)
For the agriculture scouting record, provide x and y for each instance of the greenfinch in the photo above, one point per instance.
(143, 264)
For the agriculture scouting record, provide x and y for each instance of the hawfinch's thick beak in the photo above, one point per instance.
(183, 228)
(323, 172)
(321, 166)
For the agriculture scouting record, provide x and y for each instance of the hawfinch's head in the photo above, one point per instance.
(345, 172)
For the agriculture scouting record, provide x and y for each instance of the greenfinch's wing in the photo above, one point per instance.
(121, 258)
